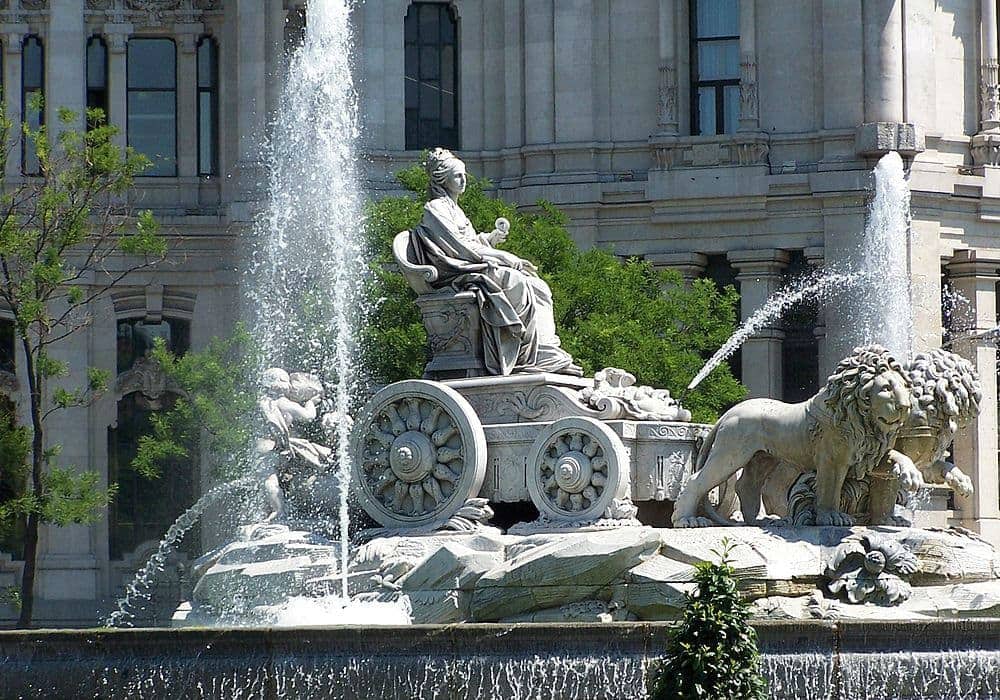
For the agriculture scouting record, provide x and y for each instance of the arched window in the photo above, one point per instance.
(208, 106)
(152, 103)
(97, 76)
(715, 66)
(431, 43)
(32, 87)
(136, 338)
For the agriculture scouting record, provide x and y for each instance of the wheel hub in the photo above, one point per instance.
(573, 472)
(412, 456)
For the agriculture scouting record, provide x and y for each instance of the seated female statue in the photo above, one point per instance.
(519, 332)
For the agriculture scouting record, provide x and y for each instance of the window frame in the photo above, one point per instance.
(128, 100)
(25, 99)
(446, 10)
(718, 85)
(213, 92)
(106, 102)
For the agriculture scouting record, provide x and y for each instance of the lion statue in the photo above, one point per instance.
(847, 429)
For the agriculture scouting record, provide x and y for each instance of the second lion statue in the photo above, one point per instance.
(847, 429)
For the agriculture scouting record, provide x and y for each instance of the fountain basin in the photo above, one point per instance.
(802, 659)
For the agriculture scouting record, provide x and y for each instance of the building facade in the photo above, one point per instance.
(725, 138)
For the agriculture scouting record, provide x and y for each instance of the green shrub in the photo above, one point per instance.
(712, 654)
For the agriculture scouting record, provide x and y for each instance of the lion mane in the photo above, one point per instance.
(946, 394)
(848, 400)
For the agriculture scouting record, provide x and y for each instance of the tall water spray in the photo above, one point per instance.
(883, 312)
(304, 282)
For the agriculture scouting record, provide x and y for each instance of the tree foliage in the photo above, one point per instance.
(712, 654)
(67, 237)
(608, 312)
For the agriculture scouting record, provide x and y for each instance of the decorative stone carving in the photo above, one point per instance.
(471, 517)
(748, 90)
(672, 152)
(146, 377)
(869, 568)
(419, 454)
(615, 396)
(989, 91)
(846, 430)
(667, 102)
(986, 149)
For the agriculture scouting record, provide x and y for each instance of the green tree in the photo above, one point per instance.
(67, 237)
(608, 312)
(712, 654)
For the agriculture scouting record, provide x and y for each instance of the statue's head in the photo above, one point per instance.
(446, 172)
(276, 381)
(946, 389)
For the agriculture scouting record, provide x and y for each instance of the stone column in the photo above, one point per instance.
(666, 113)
(986, 143)
(513, 57)
(187, 99)
(117, 36)
(251, 97)
(815, 257)
(691, 266)
(975, 450)
(884, 128)
(13, 35)
(759, 273)
(749, 113)
(65, 57)
(539, 84)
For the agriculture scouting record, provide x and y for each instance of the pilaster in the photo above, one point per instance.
(759, 273)
(975, 450)
(749, 114)
(251, 96)
(986, 143)
(667, 103)
(116, 36)
(187, 98)
(13, 35)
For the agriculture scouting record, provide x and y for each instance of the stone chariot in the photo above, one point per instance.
(584, 451)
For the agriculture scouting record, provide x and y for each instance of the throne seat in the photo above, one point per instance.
(451, 318)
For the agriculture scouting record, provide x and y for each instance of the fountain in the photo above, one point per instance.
(506, 418)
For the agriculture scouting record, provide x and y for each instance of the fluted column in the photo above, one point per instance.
(666, 113)
(749, 112)
(759, 273)
(975, 450)
(986, 143)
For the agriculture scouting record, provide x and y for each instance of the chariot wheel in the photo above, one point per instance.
(419, 452)
(577, 467)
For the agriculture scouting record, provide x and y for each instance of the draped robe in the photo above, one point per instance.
(518, 329)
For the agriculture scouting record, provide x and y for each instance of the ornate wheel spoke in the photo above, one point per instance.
(577, 468)
(420, 453)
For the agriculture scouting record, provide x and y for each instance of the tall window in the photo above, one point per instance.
(715, 66)
(208, 106)
(97, 75)
(136, 338)
(152, 103)
(431, 38)
(32, 86)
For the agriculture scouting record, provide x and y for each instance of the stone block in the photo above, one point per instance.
(452, 567)
(878, 138)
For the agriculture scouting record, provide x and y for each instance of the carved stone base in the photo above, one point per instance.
(453, 332)
(986, 149)
(878, 138)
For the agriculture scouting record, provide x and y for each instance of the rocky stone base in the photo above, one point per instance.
(630, 573)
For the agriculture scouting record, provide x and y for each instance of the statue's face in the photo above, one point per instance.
(889, 398)
(456, 180)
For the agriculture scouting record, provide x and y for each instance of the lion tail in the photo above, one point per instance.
(706, 506)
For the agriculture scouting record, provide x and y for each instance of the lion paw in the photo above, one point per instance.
(911, 479)
(693, 521)
(959, 482)
(834, 518)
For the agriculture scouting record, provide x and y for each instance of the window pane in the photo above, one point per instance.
(151, 64)
(731, 108)
(718, 60)
(411, 93)
(429, 23)
(430, 101)
(430, 68)
(706, 110)
(447, 27)
(32, 67)
(206, 63)
(448, 69)
(718, 18)
(410, 26)
(96, 62)
(412, 58)
(151, 129)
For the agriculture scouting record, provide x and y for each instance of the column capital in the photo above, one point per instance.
(815, 255)
(690, 265)
(117, 34)
(967, 263)
(187, 34)
(13, 34)
(768, 262)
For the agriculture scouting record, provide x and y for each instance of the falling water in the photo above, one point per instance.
(816, 286)
(138, 589)
(305, 278)
(883, 314)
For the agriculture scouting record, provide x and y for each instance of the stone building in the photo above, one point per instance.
(724, 138)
